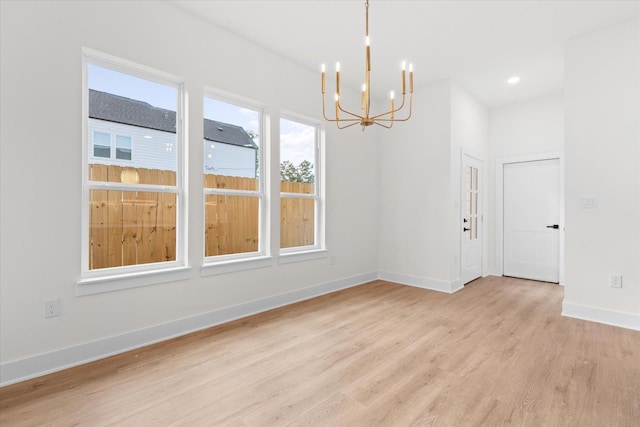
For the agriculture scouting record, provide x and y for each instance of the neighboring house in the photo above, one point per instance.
(127, 132)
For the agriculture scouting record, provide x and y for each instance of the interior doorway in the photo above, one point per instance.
(530, 222)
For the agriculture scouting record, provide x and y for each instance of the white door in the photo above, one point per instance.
(532, 220)
(471, 249)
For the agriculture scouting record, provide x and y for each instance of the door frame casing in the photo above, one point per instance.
(499, 231)
(483, 225)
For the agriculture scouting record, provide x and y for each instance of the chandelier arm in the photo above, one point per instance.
(349, 112)
(384, 126)
(394, 120)
(342, 120)
(410, 109)
(404, 119)
(379, 116)
(391, 111)
(347, 126)
(324, 114)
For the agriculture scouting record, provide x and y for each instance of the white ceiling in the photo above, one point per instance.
(479, 44)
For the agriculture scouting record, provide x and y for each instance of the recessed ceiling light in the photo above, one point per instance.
(513, 80)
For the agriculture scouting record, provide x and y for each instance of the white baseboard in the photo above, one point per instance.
(57, 360)
(599, 315)
(421, 282)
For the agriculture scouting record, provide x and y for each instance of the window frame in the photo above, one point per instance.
(124, 277)
(318, 249)
(219, 264)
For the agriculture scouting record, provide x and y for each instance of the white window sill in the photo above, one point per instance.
(289, 257)
(230, 266)
(116, 282)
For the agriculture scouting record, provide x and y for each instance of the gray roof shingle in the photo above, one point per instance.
(119, 109)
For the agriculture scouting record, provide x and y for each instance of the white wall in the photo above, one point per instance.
(41, 85)
(602, 100)
(526, 128)
(419, 196)
(414, 190)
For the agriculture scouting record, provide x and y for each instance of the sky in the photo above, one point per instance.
(296, 139)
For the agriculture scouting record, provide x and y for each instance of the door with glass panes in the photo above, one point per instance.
(471, 226)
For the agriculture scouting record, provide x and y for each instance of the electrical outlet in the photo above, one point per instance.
(52, 308)
(615, 280)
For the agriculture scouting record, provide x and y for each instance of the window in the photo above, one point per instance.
(300, 172)
(103, 143)
(123, 147)
(133, 208)
(233, 187)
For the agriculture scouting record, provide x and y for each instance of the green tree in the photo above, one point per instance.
(305, 169)
(301, 173)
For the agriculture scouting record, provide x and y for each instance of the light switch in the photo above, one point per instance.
(588, 202)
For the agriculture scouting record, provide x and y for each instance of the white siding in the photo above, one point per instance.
(154, 149)
(151, 149)
(229, 160)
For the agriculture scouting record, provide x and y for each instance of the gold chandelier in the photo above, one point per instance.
(364, 119)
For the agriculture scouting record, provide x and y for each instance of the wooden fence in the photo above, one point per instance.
(129, 228)
(297, 216)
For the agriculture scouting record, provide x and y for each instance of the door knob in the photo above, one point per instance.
(464, 229)
(556, 226)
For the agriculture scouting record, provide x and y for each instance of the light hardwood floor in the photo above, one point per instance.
(495, 353)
